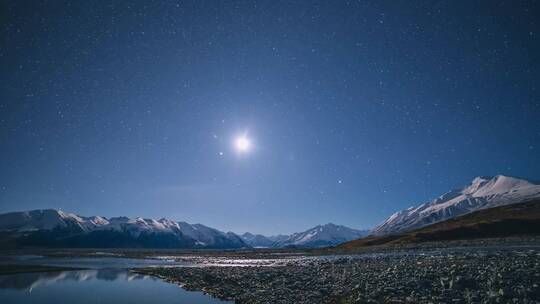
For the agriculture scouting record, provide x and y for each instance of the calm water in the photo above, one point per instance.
(107, 282)
(89, 262)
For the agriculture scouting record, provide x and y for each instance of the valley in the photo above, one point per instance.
(480, 244)
(480, 270)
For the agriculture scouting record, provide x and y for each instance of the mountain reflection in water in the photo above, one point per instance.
(34, 280)
(94, 286)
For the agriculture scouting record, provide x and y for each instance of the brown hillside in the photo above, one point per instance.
(504, 221)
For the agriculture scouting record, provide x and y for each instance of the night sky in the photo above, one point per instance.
(349, 111)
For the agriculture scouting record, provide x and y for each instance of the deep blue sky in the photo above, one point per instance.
(355, 109)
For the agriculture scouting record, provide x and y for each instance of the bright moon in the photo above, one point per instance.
(242, 144)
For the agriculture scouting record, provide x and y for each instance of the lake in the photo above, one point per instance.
(106, 280)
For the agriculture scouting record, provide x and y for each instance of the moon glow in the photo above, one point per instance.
(242, 144)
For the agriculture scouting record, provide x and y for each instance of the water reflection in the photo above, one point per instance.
(30, 281)
(88, 262)
(92, 287)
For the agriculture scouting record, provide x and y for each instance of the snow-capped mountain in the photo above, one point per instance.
(319, 236)
(210, 237)
(257, 240)
(481, 193)
(46, 220)
(57, 228)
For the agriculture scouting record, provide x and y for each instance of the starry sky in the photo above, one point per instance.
(353, 109)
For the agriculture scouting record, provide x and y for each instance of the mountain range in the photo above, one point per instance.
(481, 193)
(520, 219)
(319, 236)
(55, 228)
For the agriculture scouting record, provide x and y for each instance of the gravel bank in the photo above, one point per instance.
(506, 276)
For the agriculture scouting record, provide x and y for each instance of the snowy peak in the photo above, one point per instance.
(481, 193)
(207, 236)
(503, 185)
(318, 236)
(258, 240)
(173, 233)
(323, 235)
(38, 219)
(477, 183)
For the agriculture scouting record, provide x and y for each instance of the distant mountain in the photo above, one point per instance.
(319, 236)
(257, 240)
(521, 219)
(54, 228)
(210, 237)
(481, 193)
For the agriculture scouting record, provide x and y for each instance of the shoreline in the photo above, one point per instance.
(8, 269)
(487, 270)
(507, 275)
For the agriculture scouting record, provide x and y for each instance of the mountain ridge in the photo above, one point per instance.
(483, 192)
(57, 228)
(519, 219)
(319, 236)
(50, 227)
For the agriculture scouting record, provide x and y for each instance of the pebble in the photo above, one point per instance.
(460, 277)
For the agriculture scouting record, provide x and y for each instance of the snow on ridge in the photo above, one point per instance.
(482, 192)
(49, 219)
(322, 235)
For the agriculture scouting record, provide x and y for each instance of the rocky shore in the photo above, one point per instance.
(461, 276)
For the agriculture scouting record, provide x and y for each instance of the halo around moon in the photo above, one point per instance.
(242, 144)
